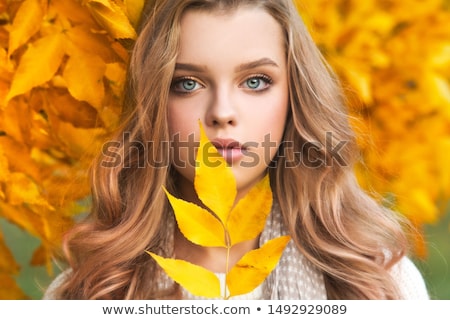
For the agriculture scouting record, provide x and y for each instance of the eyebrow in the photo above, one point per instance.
(190, 67)
(242, 67)
(255, 64)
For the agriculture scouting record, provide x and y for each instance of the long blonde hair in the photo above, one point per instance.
(343, 231)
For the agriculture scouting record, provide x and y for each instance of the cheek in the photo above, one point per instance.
(183, 129)
(281, 107)
(274, 117)
(178, 124)
(173, 120)
(183, 118)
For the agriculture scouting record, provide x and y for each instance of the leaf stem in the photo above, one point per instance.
(227, 261)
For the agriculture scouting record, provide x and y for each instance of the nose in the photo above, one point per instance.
(222, 110)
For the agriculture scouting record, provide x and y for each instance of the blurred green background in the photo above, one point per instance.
(435, 268)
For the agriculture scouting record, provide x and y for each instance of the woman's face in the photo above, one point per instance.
(231, 75)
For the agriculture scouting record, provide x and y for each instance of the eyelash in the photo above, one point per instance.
(178, 81)
(268, 80)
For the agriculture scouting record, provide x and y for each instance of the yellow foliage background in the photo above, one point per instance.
(62, 70)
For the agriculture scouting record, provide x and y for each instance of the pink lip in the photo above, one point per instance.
(226, 144)
(231, 150)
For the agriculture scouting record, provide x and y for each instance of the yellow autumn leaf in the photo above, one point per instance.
(7, 262)
(419, 206)
(4, 166)
(12, 121)
(21, 189)
(439, 88)
(77, 142)
(38, 64)
(40, 256)
(74, 11)
(197, 280)
(248, 217)
(81, 37)
(13, 151)
(255, 266)
(26, 23)
(10, 290)
(112, 17)
(443, 159)
(79, 113)
(214, 181)
(197, 224)
(83, 74)
(361, 81)
(5, 78)
(134, 10)
(243, 222)
(23, 217)
(116, 75)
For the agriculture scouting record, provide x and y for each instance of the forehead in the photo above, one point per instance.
(247, 32)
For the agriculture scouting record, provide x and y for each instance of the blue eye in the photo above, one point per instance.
(188, 85)
(185, 85)
(258, 83)
(253, 83)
